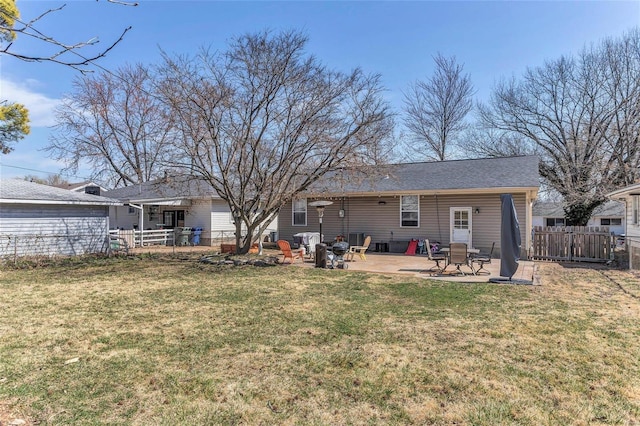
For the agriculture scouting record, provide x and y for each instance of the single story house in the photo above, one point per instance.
(169, 203)
(630, 196)
(609, 214)
(441, 201)
(41, 220)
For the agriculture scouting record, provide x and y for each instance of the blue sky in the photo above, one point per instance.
(493, 40)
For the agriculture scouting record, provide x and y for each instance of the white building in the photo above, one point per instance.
(609, 214)
(630, 196)
(41, 220)
(168, 204)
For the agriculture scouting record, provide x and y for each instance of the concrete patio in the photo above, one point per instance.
(421, 266)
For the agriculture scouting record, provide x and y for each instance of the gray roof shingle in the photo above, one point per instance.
(22, 191)
(476, 174)
(488, 173)
(162, 189)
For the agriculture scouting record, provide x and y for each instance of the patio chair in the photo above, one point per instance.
(287, 253)
(437, 257)
(459, 256)
(483, 259)
(359, 249)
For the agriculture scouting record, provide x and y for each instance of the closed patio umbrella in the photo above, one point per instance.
(510, 241)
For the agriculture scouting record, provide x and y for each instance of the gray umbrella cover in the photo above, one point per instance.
(510, 240)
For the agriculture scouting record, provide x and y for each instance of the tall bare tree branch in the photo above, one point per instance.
(435, 109)
(113, 122)
(262, 121)
(63, 53)
(582, 116)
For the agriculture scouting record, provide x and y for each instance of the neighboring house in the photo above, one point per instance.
(609, 214)
(88, 187)
(43, 220)
(169, 203)
(630, 196)
(440, 201)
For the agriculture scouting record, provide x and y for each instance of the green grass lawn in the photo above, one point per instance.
(153, 340)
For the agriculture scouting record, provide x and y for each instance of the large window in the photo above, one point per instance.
(410, 210)
(614, 221)
(300, 212)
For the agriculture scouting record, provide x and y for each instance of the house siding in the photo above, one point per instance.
(37, 230)
(382, 221)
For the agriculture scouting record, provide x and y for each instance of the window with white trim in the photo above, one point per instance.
(299, 214)
(410, 211)
(555, 221)
(610, 221)
(635, 208)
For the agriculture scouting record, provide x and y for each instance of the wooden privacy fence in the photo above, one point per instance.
(572, 243)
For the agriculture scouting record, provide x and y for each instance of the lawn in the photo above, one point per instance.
(161, 340)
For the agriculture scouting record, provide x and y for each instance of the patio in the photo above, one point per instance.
(386, 263)
(420, 265)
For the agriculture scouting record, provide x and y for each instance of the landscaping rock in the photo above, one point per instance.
(240, 260)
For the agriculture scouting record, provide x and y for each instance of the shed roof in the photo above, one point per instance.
(174, 188)
(555, 209)
(626, 191)
(505, 173)
(18, 191)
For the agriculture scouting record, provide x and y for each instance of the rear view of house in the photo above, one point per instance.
(446, 201)
(41, 220)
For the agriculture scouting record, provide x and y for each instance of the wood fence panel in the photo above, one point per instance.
(572, 243)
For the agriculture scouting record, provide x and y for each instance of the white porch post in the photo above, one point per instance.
(141, 224)
(140, 209)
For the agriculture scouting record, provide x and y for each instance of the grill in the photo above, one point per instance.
(339, 249)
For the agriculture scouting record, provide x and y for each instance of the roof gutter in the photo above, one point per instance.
(56, 202)
(530, 190)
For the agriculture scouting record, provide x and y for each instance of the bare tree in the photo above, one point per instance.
(53, 180)
(61, 52)
(113, 122)
(486, 142)
(262, 121)
(435, 109)
(582, 116)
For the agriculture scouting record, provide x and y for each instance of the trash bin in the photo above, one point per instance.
(195, 239)
(321, 256)
(273, 236)
(182, 235)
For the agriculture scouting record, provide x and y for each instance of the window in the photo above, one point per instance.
(93, 190)
(132, 210)
(555, 221)
(410, 210)
(610, 221)
(300, 212)
(636, 206)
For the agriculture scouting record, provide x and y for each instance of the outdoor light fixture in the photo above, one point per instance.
(477, 210)
(320, 205)
(382, 203)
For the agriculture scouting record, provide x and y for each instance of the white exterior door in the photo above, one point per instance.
(460, 218)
